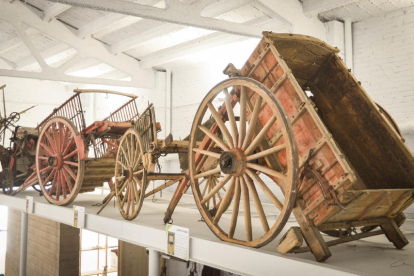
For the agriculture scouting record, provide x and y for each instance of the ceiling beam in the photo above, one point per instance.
(196, 45)
(178, 13)
(314, 7)
(16, 41)
(99, 24)
(154, 29)
(218, 8)
(54, 11)
(50, 52)
(17, 13)
(187, 48)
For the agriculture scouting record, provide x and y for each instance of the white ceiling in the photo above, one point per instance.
(155, 43)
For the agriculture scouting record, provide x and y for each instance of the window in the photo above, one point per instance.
(97, 253)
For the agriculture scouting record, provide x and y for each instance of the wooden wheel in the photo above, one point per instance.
(130, 175)
(58, 161)
(258, 151)
(8, 181)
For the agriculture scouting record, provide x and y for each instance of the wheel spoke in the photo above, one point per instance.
(265, 189)
(47, 148)
(123, 166)
(215, 138)
(58, 184)
(252, 124)
(70, 143)
(204, 158)
(202, 181)
(65, 136)
(139, 182)
(53, 184)
(55, 137)
(226, 199)
(207, 173)
(205, 187)
(49, 177)
(216, 188)
(45, 169)
(232, 119)
(133, 193)
(257, 203)
(63, 182)
(128, 148)
(124, 185)
(268, 171)
(69, 183)
(265, 152)
(125, 194)
(125, 155)
(71, 154)
(138, 172)
(43, 158)
(260, 136)
(242, 130)
(221, 125)
(236, 202)
(71, 163)
(61, 137)
(69, 170)
(209, 153)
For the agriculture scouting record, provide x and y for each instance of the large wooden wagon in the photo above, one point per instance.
(293, 118)
(63, 165)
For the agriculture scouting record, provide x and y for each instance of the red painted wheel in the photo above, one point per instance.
(58, 161)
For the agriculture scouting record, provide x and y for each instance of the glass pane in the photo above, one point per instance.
(89, 239)
(89, 260)
(112, 241)
(102, 258)
(102, 240)
(112, 258)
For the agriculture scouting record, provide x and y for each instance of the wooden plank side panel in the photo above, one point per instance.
(265, 66)
(374, 149)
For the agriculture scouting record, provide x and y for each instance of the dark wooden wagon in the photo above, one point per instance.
(64, 167)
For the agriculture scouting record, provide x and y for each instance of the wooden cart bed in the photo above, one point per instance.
(364, 167)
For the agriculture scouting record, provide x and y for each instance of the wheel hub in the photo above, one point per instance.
(233, 162)
(55, 161)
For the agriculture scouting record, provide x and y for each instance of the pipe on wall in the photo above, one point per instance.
(348, 44)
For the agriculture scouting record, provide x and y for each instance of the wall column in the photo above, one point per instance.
(23, 243)
(153, 263)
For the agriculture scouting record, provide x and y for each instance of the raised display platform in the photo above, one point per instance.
(375, 255)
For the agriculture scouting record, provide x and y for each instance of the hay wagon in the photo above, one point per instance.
(63, 165)
(292, 119)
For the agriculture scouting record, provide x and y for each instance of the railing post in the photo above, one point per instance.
(153, 263)
(23, 243)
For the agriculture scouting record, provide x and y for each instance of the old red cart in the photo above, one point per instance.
(63, 166)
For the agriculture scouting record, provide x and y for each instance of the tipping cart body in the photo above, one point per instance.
(355, 168)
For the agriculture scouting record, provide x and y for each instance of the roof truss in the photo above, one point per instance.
(17, 14)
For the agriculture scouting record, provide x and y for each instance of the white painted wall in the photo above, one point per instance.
(383, 62)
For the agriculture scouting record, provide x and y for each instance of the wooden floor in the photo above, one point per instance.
(371, 256)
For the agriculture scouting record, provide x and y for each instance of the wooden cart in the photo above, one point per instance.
(293, 118)
(63, 166)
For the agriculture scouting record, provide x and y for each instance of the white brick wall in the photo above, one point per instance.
(383, 61)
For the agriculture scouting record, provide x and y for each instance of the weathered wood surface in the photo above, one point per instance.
(52, 248)
(360, 159)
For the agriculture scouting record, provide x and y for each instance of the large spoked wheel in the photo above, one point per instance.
(254, 143)
(8, 181)
(58, 164)
(130, 175)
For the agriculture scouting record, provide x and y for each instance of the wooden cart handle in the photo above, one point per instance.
(104, 91)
